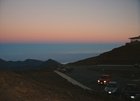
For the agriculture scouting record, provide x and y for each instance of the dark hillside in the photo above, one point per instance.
(127, 54)
(40, 86)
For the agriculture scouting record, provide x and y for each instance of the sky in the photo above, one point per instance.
(65, 30)
(69, 21)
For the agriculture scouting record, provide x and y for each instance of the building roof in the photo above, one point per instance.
(138, 37)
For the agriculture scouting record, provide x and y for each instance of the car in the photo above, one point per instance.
(104, 79)
(131, 92)
(112, 87)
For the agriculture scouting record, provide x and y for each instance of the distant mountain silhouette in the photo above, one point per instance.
(28, 64)
(50, 64)
(2, 61)
(127, 54)
(3, 64)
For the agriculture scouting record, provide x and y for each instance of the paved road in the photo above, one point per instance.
(86, 77)
(71, 80)
(89, 75)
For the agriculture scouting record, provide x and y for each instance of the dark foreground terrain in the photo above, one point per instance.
(40, 86)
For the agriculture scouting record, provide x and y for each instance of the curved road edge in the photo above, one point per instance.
(71, 80)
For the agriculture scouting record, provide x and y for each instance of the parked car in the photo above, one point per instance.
(131, 92)
(104, 79)
(112, 88)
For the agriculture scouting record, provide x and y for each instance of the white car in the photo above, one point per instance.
(112, 87)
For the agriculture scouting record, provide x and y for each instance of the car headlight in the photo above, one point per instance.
(132, 97)
(109, 92)
(104, 81)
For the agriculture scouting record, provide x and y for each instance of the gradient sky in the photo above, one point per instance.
(82, 21)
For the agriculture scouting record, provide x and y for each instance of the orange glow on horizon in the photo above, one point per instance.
(70, 21)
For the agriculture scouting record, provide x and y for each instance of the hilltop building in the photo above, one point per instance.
(135, 39)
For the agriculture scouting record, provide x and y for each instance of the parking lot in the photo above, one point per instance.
(122, 74)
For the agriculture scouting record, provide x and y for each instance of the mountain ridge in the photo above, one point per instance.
(126, 54)
(28, 64)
